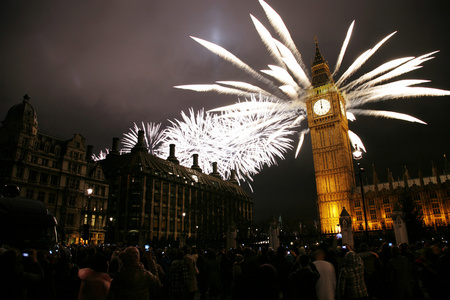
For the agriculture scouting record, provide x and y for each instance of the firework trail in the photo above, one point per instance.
(290, 77)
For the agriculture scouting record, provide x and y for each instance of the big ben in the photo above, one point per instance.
(333, 166)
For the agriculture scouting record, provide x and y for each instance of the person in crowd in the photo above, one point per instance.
(178, 277)
(15, 280)
(67, 283)
(326, 284)
(192, 271)
(399, 276)
(268, 284)
(237, 283)
(213, 271)
(304, 280)
(283, 267)
(133, 282)
(95, 281)
(351, 278)
(372, 270)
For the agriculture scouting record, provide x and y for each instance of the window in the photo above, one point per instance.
(388, 213)
(433, 195)
(93, 220)
(357, 203)
(44, 178)
(32, 176)
(19, 172)
(85, 219)
(44, 162)
(34, 159)
(72, 200)
(416, 196)
(22, 155)
(436, 209)
(385, 200)
(439, 222)
(41, 196)
(70, 219)
(54, 179)
(373, 214)
(371, 201)
(359, 215)
(55, 165)
(51, 198)
(29, 194)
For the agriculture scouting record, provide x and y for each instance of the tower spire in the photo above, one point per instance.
(320, 70)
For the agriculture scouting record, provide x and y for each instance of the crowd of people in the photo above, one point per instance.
(317, 272)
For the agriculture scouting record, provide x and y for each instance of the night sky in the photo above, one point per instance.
(95, 67)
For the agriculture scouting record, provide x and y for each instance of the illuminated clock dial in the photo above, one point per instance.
(342, 108)
(321, 107)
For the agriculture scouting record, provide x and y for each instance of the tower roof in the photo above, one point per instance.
(320, 70)
(20, 115)
(318, 58)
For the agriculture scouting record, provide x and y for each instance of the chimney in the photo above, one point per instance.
(233, 177)
(214, 172)
(172, 157)
(115, 146)
(195, 165)
(89, 152)
(140, 145)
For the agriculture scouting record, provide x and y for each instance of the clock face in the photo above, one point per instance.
(321, 107)
(342, 108)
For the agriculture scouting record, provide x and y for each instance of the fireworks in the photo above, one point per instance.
(251, 134)
(289, 81)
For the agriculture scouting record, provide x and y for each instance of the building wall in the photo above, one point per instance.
(160, 200)
(430, 195)
(55, 171)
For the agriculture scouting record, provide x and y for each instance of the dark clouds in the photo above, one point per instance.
(95, 67)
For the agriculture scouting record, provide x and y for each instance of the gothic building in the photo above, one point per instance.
(429, 195)
(335, 176)
(333, 165)
(56, 171)
(152, 199)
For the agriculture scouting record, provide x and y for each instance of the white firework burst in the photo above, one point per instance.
(101, 156)
(241, 143)
(289, 82)
(153, 138)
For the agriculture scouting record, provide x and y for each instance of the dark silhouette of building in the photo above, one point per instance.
(56, 171)
(152, 199)
(136, 196)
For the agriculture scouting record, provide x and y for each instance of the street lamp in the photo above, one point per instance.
(357, 155)
(87, 234)
(183, 234)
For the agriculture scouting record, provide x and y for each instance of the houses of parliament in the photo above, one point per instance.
(138, 197)
(335, 173)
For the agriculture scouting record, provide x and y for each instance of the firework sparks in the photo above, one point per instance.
(290, 78)
(153, 136)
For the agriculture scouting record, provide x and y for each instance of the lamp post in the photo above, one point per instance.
(357, 155)
(183, 234)
(88, 210)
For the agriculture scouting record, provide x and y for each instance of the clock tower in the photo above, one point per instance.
(333, 166)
